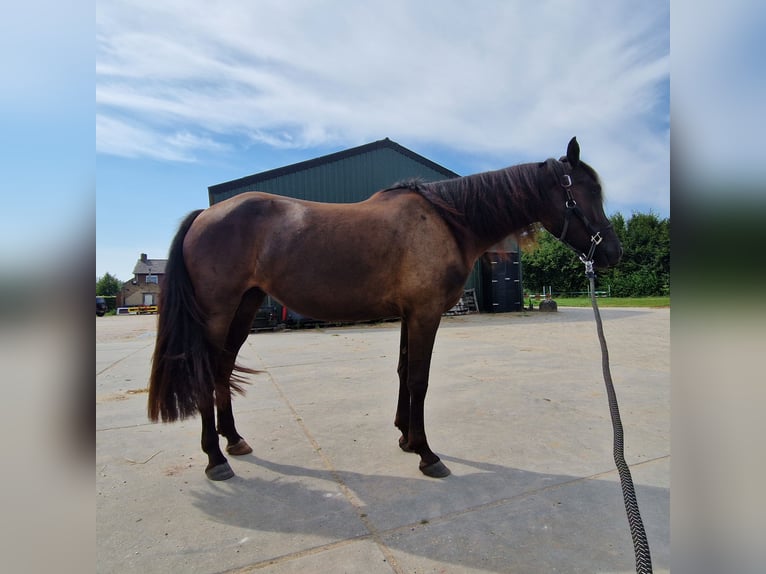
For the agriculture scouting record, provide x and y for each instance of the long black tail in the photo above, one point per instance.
(183, 365)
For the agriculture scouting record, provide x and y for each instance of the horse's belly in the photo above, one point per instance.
(339, 306)
(336, 296)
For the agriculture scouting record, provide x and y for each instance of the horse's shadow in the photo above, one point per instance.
(488, 515)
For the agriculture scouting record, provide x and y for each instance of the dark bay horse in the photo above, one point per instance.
(406, 251)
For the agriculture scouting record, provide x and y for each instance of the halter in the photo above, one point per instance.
(573, 208)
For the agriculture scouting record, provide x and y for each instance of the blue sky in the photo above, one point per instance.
(190, 94)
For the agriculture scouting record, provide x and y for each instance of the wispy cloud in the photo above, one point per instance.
(499, 79)
(127, 139)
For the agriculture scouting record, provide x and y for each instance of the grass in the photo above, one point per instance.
(663, 301)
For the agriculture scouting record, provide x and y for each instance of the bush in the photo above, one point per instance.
(644, 270)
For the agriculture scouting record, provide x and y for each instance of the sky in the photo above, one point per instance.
(190, 94)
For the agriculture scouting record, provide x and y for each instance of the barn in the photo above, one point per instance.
(354, 174)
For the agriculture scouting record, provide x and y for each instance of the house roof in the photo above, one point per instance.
(145, 266)
(251, 182)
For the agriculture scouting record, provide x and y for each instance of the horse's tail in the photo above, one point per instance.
(183, 366)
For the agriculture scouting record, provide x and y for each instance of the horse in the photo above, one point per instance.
(405, 252)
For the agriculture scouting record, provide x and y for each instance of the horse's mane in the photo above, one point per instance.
(493, 204)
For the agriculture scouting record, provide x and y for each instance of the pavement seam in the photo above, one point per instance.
(296, 555)
(631, 466)
(358, 506)
(122, 427)
(321, 362)
(118, 361)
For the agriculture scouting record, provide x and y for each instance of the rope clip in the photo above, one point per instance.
(589, 273)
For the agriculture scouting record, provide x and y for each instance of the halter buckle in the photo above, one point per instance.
(596, 239)
(566, 180)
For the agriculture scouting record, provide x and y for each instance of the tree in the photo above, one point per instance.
(643, 271)
(645, 266)
(108, 285)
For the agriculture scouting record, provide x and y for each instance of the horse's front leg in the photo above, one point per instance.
(218, 468)
(421, 336)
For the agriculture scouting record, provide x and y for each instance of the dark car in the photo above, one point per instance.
(100, 306)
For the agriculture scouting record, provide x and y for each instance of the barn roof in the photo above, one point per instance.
(345, 176)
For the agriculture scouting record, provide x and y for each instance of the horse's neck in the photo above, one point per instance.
(514, 207)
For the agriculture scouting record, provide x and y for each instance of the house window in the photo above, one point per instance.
(152, 279)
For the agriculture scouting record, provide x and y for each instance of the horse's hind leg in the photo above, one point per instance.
(218, 468)
(227, 332)
(238, 332)
(235, 444)
(402, 419)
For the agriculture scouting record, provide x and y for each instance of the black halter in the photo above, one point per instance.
(573, 209)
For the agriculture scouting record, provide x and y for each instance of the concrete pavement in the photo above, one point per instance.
(516, 409)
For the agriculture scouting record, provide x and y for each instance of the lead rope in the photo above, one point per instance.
(640, 543)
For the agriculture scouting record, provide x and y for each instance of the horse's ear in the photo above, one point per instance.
(573, 153)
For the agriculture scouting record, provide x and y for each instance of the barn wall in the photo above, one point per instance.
(349, 180)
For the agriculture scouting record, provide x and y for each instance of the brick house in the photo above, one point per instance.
(144, 288)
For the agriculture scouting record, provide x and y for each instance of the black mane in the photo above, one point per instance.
(489, 205)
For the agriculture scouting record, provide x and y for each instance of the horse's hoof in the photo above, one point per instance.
(435, 470)
(239, 448)
(220, 472)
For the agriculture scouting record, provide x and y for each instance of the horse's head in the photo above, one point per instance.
(576, 213)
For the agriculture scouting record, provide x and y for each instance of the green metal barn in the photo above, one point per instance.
(354, 175)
